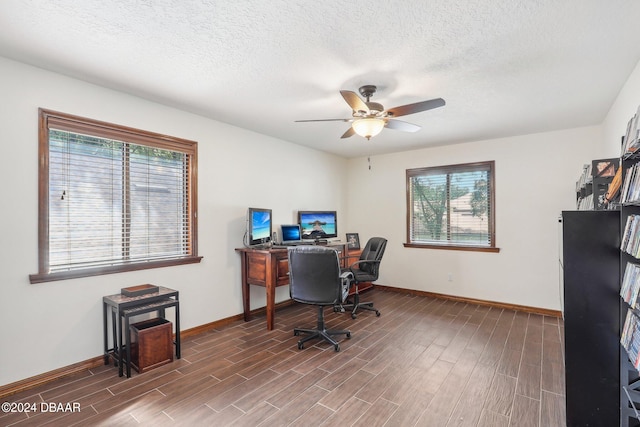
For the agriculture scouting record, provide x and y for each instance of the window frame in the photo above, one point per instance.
(449, 169)
(48, 118)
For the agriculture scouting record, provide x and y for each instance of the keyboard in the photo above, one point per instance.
(296, 243)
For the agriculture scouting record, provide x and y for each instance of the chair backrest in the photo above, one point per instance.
(314, 275)
(373, 251)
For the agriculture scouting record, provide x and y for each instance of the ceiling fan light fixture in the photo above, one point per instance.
(368, 127)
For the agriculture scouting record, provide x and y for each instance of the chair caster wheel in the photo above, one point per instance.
(377, 313)
(353, 315)
(296, 333)
(300, 346)
(349, 335)
(337, 347)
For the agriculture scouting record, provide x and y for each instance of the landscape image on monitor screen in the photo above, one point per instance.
(260, 223)
(318, 224)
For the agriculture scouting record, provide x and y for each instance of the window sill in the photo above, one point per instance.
(99, 271)
(452, 247)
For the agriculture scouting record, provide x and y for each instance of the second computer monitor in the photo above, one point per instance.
(318, 224)
(290, 233)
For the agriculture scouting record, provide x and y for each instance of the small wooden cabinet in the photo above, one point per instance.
(151, 344)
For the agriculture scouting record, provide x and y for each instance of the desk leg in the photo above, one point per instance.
(245, 288)
(270, 288)
(271, 302)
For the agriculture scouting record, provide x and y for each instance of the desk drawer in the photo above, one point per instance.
(282, 270)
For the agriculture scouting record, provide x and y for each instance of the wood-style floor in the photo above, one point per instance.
(424, 362)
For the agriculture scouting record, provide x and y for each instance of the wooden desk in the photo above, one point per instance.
(268, 268)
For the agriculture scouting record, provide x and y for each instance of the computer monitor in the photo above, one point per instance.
(290, 233)
(318, 224)
(259, 226)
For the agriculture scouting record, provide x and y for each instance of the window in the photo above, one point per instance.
(452, 207)
(112, 199)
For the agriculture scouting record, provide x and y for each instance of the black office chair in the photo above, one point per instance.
(366, 269)
(315, 278)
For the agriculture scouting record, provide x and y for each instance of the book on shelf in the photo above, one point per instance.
(630, 288)
(630, 337)
(631, 141)
(585, 203)
(586, 177)
(631, 193)
(631, 237)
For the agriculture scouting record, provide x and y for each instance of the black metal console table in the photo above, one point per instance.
(122, 308)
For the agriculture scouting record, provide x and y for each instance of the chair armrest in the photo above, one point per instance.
(355, 264)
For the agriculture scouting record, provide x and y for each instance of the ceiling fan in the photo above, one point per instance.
(369, 118)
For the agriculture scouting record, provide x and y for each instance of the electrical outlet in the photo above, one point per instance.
(450, 278)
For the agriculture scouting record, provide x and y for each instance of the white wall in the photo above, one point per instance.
(535, 181)
(623, 109)
(56, 324)
(51, 325)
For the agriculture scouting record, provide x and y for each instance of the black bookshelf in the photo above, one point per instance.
(629, 376)
(591, 274)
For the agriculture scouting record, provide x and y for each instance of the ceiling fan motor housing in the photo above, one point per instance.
(375, 108)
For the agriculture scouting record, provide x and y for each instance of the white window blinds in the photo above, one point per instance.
(451, 205)
(112, 203)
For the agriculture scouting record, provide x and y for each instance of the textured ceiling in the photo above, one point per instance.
(504, 67)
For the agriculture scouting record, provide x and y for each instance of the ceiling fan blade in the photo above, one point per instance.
(350, 132)
(403, 110)
(403, 126)
(324, 120)
(355, 102)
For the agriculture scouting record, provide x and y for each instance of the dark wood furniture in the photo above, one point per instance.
(122, 308)
(151, 344)
(268, 268)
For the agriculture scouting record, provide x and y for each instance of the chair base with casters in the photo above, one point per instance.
(356, 305)
(320, 332)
